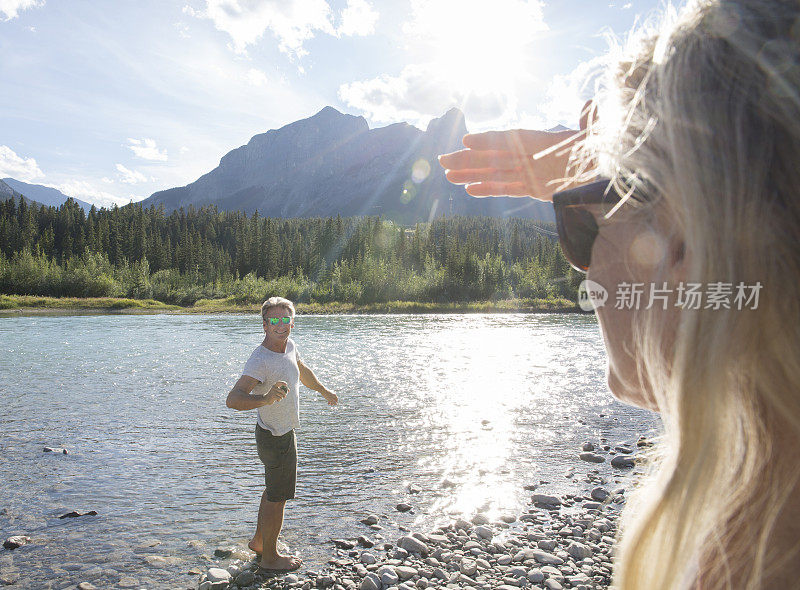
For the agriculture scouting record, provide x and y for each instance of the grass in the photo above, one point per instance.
(112, 304)
(23, 303)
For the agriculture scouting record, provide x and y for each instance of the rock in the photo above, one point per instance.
(546, 499)
(370, 520)
(535, 576)
(402, 507)
(76, 514)
(245, 578)
(365, 541)
(622, 461)
(504, 560)
(462, 524)
(400, 553)
(591, 505)
(86, 586)
(217, 574)
(468, 567)
(155, 561)
(508, 518)
(223, 553)
(405, 572)
(480, 519)
(547, 544)
(599, 494)
(413, 545)
(388, 576)
(547, 558)
(552, 584)
(16, 541)
(60, 450)
(484, 532)
(592, 458)
(412, 489)
(344, 544)
(579, 550)
(205, 585)
(368, 558)
(587, 446)
(129, 582)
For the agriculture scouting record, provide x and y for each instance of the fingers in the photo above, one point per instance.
(519, 141)
(484, 175)
(499, 189)
(472, 159)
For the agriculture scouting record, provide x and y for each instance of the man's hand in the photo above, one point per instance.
(330, 397)
(276, 393)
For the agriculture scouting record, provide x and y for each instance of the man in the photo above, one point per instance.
(269, 383)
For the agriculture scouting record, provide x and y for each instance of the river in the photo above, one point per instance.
(452, 414)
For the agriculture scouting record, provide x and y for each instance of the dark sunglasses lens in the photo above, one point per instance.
(287, 320)
(577, 231)
(273, 321)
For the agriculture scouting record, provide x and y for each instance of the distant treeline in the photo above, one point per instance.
(204, 253)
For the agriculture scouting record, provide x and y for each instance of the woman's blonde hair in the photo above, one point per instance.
(707, 116)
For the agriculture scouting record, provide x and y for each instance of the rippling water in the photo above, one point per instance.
(467, 408)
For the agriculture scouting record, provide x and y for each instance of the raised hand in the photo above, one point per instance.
(514, 163)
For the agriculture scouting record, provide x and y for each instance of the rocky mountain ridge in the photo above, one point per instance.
(333, 164)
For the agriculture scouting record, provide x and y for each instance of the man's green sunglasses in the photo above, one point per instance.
(276, 321)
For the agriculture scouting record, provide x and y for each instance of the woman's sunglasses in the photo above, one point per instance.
(576, 210)
(276, 321)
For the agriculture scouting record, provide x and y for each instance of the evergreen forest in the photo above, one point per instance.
(202, 253)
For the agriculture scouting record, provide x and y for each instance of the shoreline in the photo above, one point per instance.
(556, 542)
(21, 305)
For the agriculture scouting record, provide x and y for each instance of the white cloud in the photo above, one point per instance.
(147, 149)
(256, 77)
(17, 167)
(85, 191)
(419, 94)
(130, 176)
(292, 22)
(358, 18)
(11, 8)
(567, 93)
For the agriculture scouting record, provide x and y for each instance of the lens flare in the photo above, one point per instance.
(420, 170)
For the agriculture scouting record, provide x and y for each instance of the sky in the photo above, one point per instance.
(110, 101)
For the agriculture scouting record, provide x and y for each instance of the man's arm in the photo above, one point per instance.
(310, 380)
(240, 398)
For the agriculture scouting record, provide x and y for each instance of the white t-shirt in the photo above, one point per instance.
(268, 367)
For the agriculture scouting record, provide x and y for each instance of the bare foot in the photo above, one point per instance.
(283, 563)
(255, 546)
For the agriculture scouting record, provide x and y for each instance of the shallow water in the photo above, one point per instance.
(467, 408)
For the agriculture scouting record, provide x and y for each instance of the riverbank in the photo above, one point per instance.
(27, 304)
(560, 542)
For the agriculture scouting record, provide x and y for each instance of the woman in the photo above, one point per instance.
(700, 134)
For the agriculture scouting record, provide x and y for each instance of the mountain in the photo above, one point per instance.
(43, 194)
(6, 192)
(333, 163)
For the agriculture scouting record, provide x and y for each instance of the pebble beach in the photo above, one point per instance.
(564, 541)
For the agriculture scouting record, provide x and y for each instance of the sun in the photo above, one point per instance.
(475, 46)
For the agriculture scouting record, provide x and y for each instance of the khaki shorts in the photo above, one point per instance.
(279, 456)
